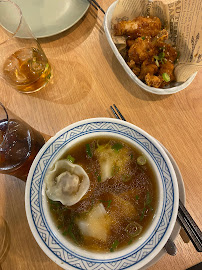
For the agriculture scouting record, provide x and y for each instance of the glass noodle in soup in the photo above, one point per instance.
(110, 194)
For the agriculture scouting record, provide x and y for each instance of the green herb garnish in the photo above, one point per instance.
(148, 199)
(69, 231)
(117, 146)
(99, 178)
(147, 204)
(166, 77)
(137, 197)
(130, 241)
(143, 38)
(114, 246)
(160, 58)
(88, 150)
(108, 202)
(70, 158)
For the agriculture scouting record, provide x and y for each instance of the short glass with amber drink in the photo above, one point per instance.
(23, 63)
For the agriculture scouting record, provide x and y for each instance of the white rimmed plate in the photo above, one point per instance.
(158, 91)
(69, 257)
(50, 17)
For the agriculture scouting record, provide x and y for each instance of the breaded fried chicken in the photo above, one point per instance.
(139, 27)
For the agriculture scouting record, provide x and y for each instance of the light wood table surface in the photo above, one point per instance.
(87, 79)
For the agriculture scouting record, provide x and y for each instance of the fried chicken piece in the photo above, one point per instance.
(141, 50)
(139, 27)
(130, 42)
(161, 37)
(168, 68)
(153, 80)
(170, 53)
(148, 66)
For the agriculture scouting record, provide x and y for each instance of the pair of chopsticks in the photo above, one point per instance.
(96, 5)
(183, 215)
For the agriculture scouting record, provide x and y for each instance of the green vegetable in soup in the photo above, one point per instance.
(141, 160)
(114, 245)
(70, 158)
(88, 150)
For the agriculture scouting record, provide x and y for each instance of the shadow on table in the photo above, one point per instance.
(122, 76)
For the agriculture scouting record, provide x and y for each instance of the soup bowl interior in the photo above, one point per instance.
(59, 248)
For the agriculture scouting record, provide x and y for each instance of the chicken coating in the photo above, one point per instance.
(148, 66)
(139, 27)
(147, 54)
(153, 80)
(168, 68)
(141, 50)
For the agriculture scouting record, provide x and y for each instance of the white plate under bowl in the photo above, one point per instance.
(158, 91)
(134, 256)
(50, 17)
(177, 226)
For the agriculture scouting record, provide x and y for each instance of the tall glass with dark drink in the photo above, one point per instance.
(19, 144)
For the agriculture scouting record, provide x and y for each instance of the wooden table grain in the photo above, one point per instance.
(87, 79)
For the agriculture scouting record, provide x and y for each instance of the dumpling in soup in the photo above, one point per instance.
(66, 182)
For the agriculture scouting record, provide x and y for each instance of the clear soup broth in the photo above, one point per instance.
(113, 213)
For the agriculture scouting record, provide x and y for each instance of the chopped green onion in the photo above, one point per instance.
(117, 146)
(157, 62)
(130, 241)
(69, 231)
(143, 38)
(114, 245)
(156, 57)
(70, 158)
(137, 197)
(141, 160)
(131, 156)
(99, 178)
(161, 55)
(148, 199)
(88, 150)
(142, 214)
(166, 77)
(109, 203)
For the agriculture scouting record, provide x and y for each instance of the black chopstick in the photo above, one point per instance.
(190, 227)
(185, 219)
(93, 4)
(119, 115)
(96, 5)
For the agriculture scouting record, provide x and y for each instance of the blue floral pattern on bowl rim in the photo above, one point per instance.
(40, 228)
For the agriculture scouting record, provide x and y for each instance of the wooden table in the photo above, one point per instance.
(87, 80)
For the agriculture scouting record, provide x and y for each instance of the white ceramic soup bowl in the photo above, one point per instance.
(159, 91)
(70, 256)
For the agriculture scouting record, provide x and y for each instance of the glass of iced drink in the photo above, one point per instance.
(19, 144)
(23, 63)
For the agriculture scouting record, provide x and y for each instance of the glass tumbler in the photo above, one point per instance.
(19, 144)
(23, 64)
